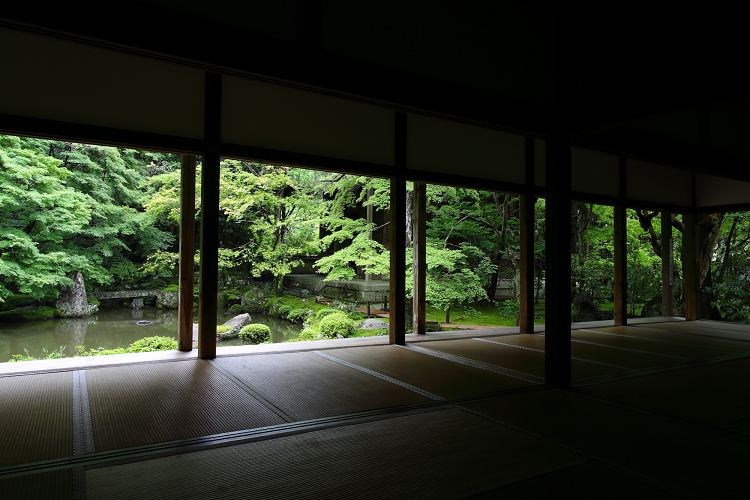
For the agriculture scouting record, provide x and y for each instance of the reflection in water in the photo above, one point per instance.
(110, 328)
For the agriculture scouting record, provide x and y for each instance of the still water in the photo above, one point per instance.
(112, 327)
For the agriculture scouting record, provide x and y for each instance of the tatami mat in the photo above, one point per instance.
(438, 376)
(514, 352)
(142, 404)
(647, 332)
(36, 414)
(700, 463)
(714, 393)
(641, 344)
(521, 360)
(441, 454)
(721, 325)
(741, 426)
(55, 485)
(309, 386)
(592, 481)
(630, 360)
(698, 328)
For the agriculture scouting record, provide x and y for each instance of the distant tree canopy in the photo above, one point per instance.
(113, 214)
(67, 207)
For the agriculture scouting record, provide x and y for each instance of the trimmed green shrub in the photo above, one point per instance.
(255, 334)
(284, 310)
(322, 313)
(306, 334)
(337, 324)
(356, 316)
(298, 314)
(149, 344)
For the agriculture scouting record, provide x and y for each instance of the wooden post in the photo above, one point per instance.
(667, 265)
(187, 253)
(397, 285)
(420, 253)
(691, 268)
(396, 314)
(526, 250)
(621, 266)
(209, 261)
(557, 244)
(526, 264)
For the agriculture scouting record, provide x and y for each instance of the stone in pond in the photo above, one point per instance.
(143, 323)
(72, 300)
(237, 323)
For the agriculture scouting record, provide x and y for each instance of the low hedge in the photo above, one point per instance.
(333, 325)
(255, 334)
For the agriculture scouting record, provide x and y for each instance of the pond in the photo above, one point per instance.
(112, 327)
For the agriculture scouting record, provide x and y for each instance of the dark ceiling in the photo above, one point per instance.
(665, 85)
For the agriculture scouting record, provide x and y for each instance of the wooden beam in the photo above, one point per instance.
(667, 265)
(187, 253)
(397, 286)
(690, 267)
(209, 261)
(526, 251)
(419, 266)
(557, 244)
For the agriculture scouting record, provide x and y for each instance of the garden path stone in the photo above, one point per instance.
(373, 324)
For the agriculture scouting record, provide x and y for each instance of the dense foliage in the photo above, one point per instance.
(66, 207)
(113, 214)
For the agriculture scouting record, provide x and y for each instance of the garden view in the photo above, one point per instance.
(112, 215)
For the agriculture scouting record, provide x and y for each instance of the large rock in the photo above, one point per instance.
(584, 308)
(72, 301)
(254, 301)
(168, 300)
(237, 323)
(373, 324)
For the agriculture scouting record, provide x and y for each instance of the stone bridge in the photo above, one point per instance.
(125, 294)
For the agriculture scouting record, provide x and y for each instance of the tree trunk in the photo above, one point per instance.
(409, 217)
(727, 247)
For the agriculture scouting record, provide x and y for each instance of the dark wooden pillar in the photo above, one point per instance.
(620, 237)
(209, 258)
(557, 246)
(690, 267)
(526, 251)
(187, 253)
(667, 265)
(397, 285)
(419, 266)
(621, 266)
